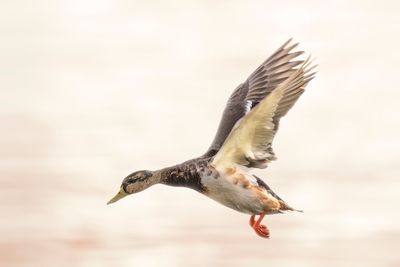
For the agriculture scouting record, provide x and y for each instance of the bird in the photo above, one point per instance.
(243, 141)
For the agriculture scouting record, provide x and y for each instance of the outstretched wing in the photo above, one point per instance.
(249, 143)
(272, 72)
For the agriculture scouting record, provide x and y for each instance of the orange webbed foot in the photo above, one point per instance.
(259, 228)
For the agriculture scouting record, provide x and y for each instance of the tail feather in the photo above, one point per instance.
(283, 205)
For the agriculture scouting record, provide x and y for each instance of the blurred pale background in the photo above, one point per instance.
(93, 90)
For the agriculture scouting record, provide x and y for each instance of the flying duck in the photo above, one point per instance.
(243, 141)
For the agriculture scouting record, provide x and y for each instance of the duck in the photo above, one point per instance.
(243, 141)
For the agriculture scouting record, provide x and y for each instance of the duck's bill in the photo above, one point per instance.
(118, 196)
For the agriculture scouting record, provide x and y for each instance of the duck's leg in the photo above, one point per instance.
(260, 229)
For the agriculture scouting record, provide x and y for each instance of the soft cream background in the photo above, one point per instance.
(92, 90)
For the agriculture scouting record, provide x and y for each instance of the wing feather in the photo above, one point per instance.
(272, 72)
(249, 143)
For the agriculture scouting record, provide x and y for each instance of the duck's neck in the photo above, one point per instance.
(187, 174)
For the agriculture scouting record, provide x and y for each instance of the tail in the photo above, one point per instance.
(283, 205)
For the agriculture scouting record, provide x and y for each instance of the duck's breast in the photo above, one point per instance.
(235, 189)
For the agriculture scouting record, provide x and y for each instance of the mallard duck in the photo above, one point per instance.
(243, 141)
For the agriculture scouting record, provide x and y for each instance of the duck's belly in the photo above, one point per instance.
(238, 195)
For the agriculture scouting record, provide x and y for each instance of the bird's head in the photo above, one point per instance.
(136, 182)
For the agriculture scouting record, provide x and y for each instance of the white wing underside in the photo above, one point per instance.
(249, 142)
